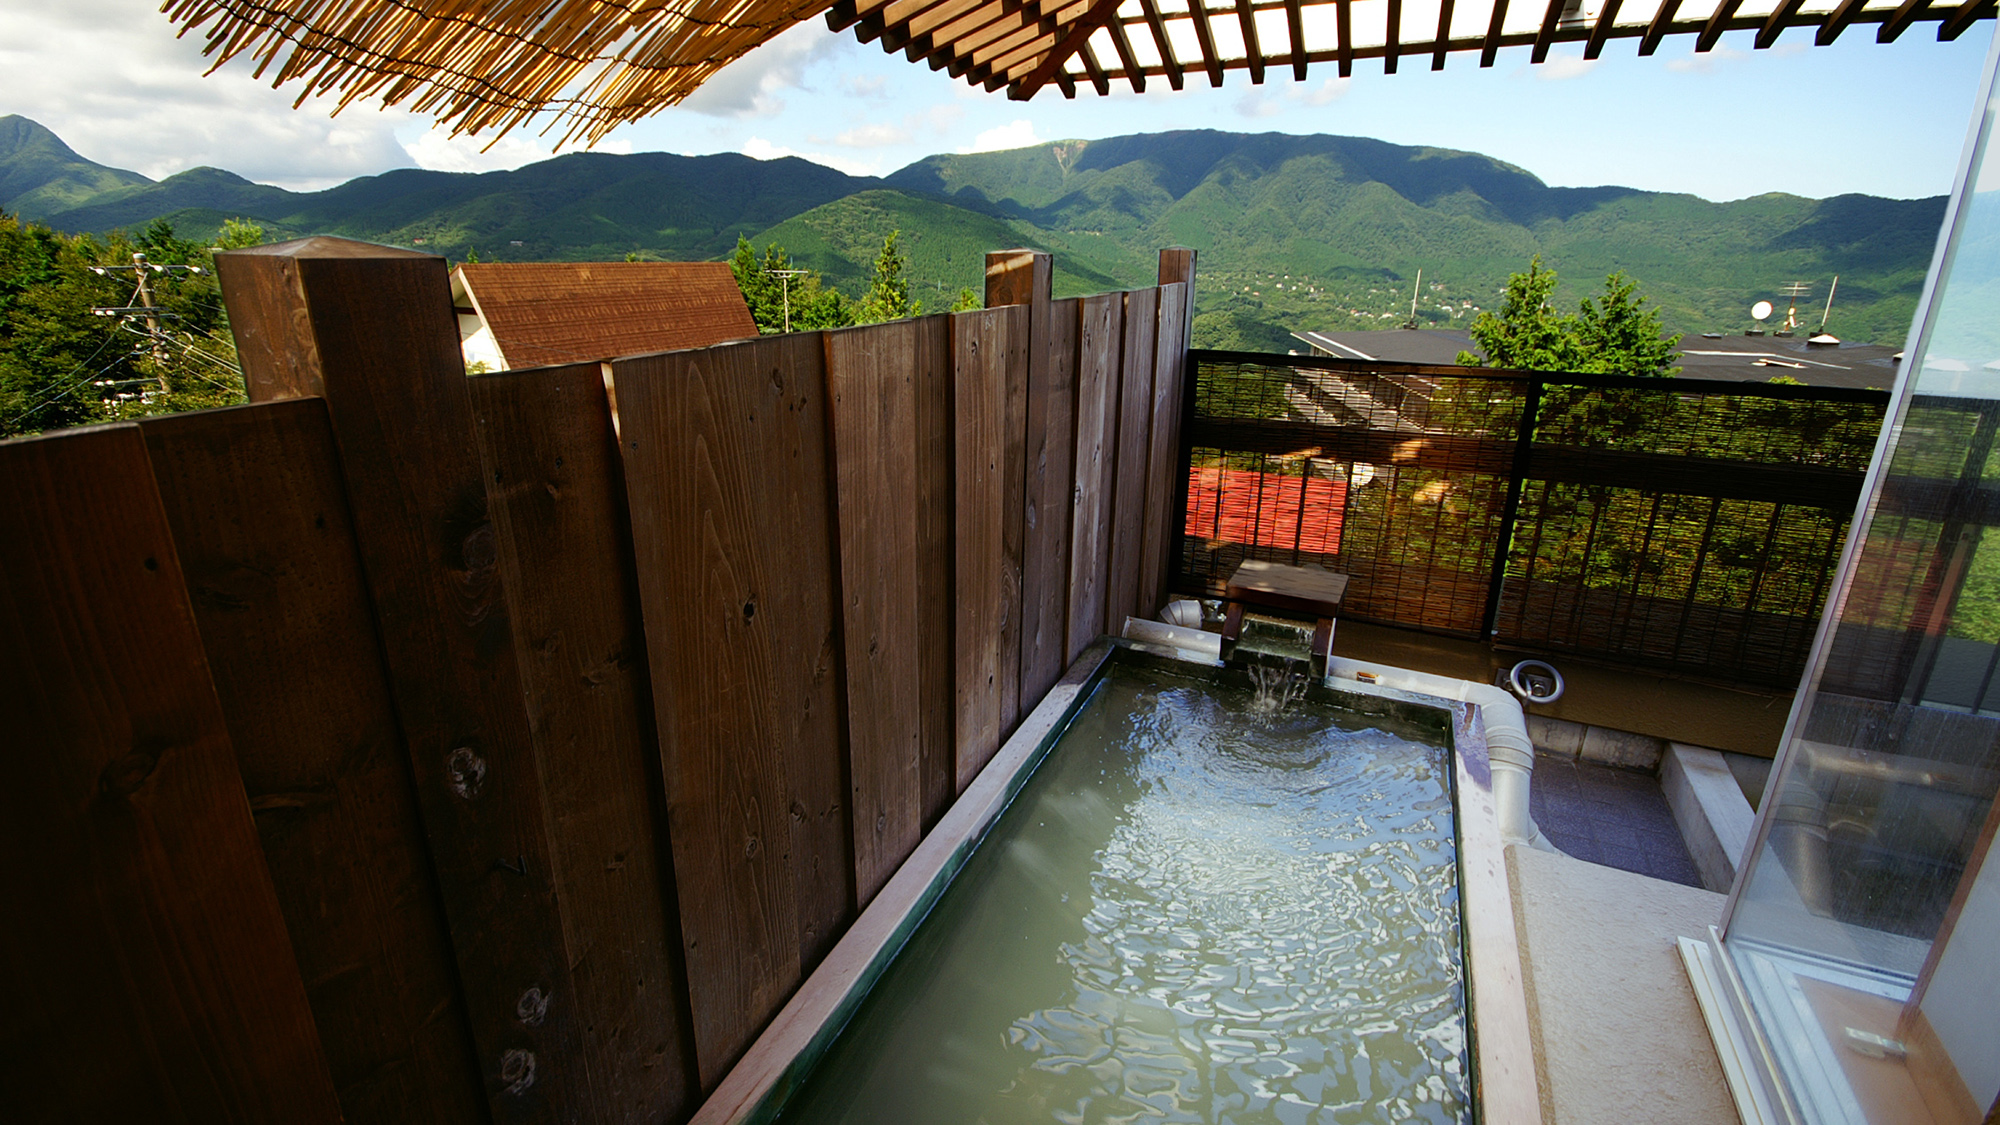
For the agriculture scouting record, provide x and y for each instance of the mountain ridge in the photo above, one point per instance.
(1294, 232)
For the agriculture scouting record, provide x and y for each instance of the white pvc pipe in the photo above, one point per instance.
(1173, 636)
(1508, 748)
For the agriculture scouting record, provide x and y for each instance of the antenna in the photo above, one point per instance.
(1795, 290)
(1759, 312)
(1415, 291)
(1829, 302)
(785, 281)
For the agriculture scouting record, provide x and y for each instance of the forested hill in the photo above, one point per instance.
(1295, 232)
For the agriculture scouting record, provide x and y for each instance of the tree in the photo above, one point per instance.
(1612, 335)
(62, 364)
(888, 296)
(765, 290)
(967, 301)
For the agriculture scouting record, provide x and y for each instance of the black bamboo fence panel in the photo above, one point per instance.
(1677, 523)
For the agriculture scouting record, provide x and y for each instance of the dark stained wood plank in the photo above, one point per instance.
(259, 515)
(1135, 429)
(370, 329)
(1164, 45)
(1100, 341)
(148, 973)
(871, 374)
(732, 531)
(1051, 482)
(1163, 448)
(566, 557)
(1022, 277)
(990, 376)
(936, 493)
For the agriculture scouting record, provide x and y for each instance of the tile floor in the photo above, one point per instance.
(1610, 816)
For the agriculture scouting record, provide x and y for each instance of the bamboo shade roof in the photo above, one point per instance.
(488, 65)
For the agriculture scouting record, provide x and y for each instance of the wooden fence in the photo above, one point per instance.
(405, 746)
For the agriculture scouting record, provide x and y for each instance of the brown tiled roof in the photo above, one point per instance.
(570, 312)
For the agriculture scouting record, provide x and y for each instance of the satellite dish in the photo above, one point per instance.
(1760, 311)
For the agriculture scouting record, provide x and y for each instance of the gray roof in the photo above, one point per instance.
(1745, 358)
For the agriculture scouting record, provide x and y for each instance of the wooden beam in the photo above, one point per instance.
(370, 329)
(1073, 40)
(1547, 34)
(1837, 21)
(1134, 74)
(1657, 30)
(1344, 34)
(1095, 70)
(1963, 17)
(1601, 31)
(966, 43)
(1781, 18)
(1718, 22)
(1295, 26)
(1205, 37)
(841, 16)
(1492, 47)
(1066, 84)
(1168, 62)
(1392, 45)
(1253, 54)
(1899, 21)
(1444, 35)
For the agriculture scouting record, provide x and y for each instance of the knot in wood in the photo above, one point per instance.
(466, 772)
(532, 1008)
(517, 1070)
(478, 552)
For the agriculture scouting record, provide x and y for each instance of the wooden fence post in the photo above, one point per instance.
(1166, 488)
(371, 330)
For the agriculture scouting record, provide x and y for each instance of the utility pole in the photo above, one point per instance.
(785, 284)
(145, 309)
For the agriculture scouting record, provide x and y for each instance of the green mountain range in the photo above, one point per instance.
(1314, 232)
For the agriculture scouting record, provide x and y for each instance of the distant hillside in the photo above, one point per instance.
(40, 175)
(1330, 231)
(1317, 232)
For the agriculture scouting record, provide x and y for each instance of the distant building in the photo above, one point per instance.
(531, 314)
(1754, 359)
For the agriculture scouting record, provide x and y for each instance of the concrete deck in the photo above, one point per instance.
(1618, 1035)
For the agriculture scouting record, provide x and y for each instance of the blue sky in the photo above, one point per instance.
(109, 76)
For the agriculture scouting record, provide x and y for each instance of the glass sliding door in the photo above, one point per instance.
(1864, 927)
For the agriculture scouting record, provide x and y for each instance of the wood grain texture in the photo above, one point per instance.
(1051, 480)
(1135, 428)
(936, 494)
(566, 558)
(990, 373)
(371, 330)
(148, 972)
(259, 515)
(1163, 450)
(871, 376)
(1100, 341)
(727, 483)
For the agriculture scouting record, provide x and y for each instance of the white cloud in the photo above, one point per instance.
(1255, 103)
(751, 86)
(1019, 133)
(757, 148)
(866, 85)
(1326, 93)
(1706, 62)
(873, 136)
(440, 152)
(141, 102)
(1558, 67)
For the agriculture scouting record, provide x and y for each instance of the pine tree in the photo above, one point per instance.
(888, 296)
(1612, 335)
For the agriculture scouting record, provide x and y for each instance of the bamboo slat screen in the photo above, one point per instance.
(743, 621)
(1683, 524)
